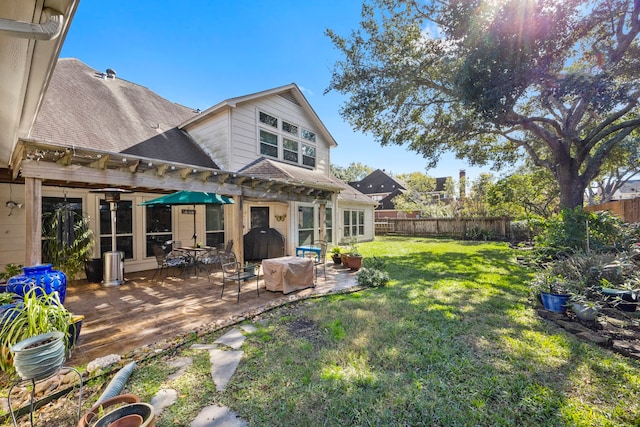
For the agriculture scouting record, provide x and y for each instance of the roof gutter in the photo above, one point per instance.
(28, 30)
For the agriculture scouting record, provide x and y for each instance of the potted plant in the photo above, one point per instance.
(554, 291)
(37, 313)
(336, 255)
(354, 258)
(68, 242)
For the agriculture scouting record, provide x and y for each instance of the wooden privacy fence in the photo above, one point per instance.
(628, 210)
(444, 227)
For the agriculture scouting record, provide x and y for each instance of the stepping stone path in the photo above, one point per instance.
(225, 357)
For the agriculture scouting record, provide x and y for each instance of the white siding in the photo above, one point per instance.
(369, 228)
(245, 130)
(213, 136)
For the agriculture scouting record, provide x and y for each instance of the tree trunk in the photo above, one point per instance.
(571, 185)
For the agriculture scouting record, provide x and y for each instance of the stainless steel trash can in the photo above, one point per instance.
(113, 263)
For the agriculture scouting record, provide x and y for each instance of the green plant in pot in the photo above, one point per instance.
(354, 257)
(336, 254)
(554, 291)
(68, 240)
(37, 314)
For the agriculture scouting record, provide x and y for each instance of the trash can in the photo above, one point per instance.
(113, 268)
(93, 270)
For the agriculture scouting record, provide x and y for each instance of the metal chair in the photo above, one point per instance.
(212, 258)
(233, 271)
(166, 261)
(322, 259)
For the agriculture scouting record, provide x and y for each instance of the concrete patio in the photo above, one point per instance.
(142, 311)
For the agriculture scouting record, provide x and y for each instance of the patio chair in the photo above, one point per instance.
(322, 259)
(166, 261)
(212, 258)
(233, 271)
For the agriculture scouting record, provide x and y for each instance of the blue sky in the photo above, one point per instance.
(200, 52)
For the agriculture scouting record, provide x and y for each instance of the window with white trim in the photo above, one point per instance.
(353, 222)
(286, 141)
(268, 144)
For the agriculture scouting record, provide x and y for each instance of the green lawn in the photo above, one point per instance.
(452, 341)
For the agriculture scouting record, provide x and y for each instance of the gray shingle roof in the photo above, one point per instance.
(267, 168)
(85, 109)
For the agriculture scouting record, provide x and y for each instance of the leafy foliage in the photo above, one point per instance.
(576, 229)
(68, 240)
(354, 172)
(35, 314)
(555, 80)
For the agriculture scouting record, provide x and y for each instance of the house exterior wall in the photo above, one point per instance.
(369, 227)
(231, 136)
(214, 136)
(13, 227)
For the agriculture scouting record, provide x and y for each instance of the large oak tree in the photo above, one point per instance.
(557, 80)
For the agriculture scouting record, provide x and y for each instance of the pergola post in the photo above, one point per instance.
(33, 212)
(237, 227)
(323, 221)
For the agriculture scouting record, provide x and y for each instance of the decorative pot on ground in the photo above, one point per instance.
(337, 259)
(41, 276)
(554, 302)
(143, 409)
(626, 300)
(89, 417)
(39, 356)
(354, 262)
(584, 312)
(343, 258)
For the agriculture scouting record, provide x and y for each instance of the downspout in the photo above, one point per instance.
(28, 30)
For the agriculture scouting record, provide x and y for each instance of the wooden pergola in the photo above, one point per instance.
(37, 163)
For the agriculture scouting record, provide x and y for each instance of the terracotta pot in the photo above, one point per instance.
(343, 258)
(132, 420)
(145, 411)
(91, 414)
(354, 262)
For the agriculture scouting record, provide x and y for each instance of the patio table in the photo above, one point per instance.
(287, 274)
(192, 252)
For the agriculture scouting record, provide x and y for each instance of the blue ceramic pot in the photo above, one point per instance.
(41, 276)
(554, 302)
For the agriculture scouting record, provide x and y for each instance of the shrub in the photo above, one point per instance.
(371, 277)
(566, 233)
(477, 233)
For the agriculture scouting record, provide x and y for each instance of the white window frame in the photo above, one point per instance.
(300, 136)
(348, 228)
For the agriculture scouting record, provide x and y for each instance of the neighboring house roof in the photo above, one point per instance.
(378, 182)
(386, 203)
(85, 108)
(271, 169)
(290, 92)
(628, 190)
(631, 186)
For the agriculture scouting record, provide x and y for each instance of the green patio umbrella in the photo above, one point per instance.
(190, 198)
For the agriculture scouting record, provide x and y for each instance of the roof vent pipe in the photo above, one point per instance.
(28, 30)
